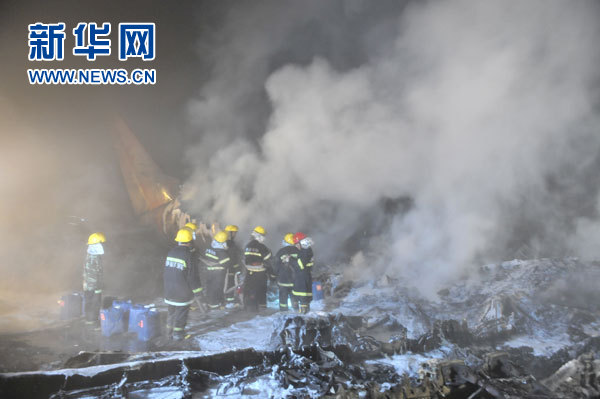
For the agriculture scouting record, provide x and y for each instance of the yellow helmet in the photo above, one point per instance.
(231, 227)
(289, 238)
(95, 238)
(191, 226)
(260, 230)
(184, 235)
(221, 236)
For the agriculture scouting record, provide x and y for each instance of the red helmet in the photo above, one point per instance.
(299, 237)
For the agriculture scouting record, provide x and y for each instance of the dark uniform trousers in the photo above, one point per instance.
(235, 253)
(177, 319)
(285, 292)
(255, 290)
(215, 279)
(230, 296)
(92, 302)
(92, 288)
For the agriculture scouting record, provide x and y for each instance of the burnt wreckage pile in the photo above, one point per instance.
(471, 343)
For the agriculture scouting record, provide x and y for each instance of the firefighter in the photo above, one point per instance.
(181, 283)
(257, 258)
(217, 262)
(283, 269)
(193, 228)
(234, 270)
(302, 289)
(92, 278)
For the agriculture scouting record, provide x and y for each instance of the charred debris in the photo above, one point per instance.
(472, 343)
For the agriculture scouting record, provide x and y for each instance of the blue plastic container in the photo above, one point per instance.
(317, 291)
(134, 317)
(148, 324)
(71, 306)
(121, 304)
(114, 320)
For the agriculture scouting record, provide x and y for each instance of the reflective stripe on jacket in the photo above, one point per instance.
(257, 257)
(216, 259)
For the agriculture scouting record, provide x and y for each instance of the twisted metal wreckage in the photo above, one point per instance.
(515, 330)
(153, 194)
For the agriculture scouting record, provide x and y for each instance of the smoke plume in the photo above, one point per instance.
(483, 114)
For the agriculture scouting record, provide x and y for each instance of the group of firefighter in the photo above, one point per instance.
(227, 271)
(232, 277)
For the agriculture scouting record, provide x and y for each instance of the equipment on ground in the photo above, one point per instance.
(144, 320)
(114, 320)
(317, 291)
(71, 306)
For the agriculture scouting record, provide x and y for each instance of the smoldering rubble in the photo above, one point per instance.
(524, 329)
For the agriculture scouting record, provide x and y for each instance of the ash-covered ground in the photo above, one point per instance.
(515, 329)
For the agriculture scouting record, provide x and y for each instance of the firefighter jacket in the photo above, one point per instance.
(283, 265)
(92, 273)
(257, 257)
(235, 253)
(216, 259)
(307, 257)
(181, 280)
(302, 273)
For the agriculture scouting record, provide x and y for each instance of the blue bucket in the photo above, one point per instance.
(114, 320)
(317, 291)
(134, 317)
(148, 324)
(71, 306)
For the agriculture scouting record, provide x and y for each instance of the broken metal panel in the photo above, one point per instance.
(578, 378)
(44, 384)
(148, 187)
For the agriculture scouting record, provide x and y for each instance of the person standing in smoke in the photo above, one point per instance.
(303, 263)
(181, 283)
(217, 262)
(234, 270)
(257, 258)
(92, 278)
(284, 272)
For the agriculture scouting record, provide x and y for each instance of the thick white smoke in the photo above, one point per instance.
(481, 112)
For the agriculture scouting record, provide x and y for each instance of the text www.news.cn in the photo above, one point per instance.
(91, 76)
